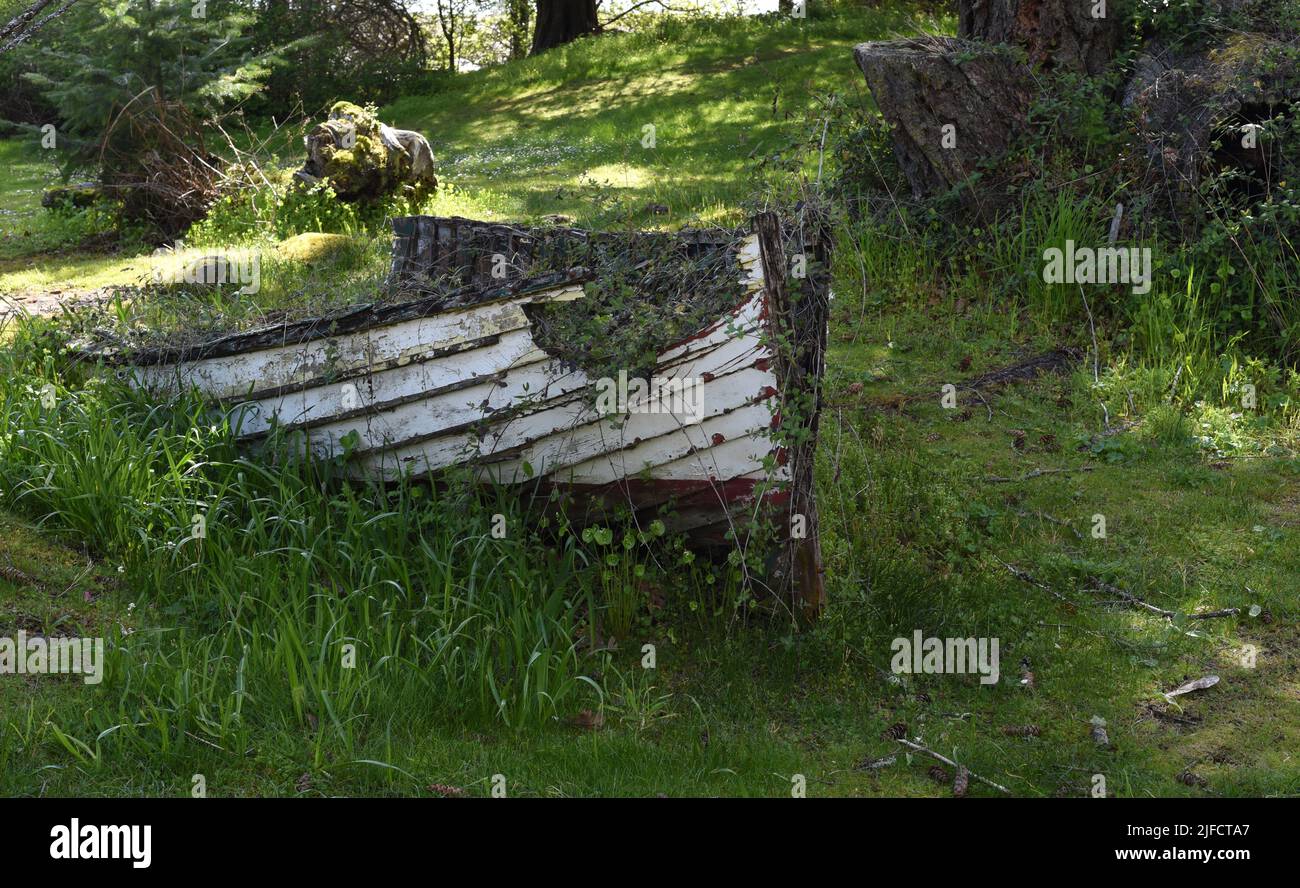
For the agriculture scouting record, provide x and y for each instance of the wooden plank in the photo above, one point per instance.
(230, 376)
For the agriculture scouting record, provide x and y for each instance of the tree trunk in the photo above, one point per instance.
(560, 21)
(1063, 35)
(447, 24)
(954, 106)
(520, 13)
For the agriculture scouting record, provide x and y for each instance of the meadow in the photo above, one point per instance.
(324, 637)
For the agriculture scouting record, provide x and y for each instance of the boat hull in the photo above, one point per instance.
(411, 390)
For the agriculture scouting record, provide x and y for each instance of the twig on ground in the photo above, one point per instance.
(1036, 473)
(1135, 601)
(950, 763)
(1029, 578)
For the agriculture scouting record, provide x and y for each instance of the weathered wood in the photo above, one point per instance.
(351, 321)
(459, 379)
(954, 107)
(798, 323)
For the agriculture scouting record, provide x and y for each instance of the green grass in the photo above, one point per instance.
(915, 537)
(524, 140)
(226, 654)
(559, 134)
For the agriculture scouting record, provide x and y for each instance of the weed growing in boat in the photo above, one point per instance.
(647, 291)
(622, 565)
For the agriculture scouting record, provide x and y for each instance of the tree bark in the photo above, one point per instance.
(561, 21)
(1069, 35)
(21, 27)
(954, 106)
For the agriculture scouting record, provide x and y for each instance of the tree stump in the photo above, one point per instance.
(363, 159)
(954, 106)
(1184, 102)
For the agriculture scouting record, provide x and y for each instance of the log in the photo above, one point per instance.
(954, 107)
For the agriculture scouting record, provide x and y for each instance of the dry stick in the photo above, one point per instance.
(1173, 389)
(1036, 473)
(1043, 516)
(1167, 614)
(1029, 578)
(821, 155)
(950, 763)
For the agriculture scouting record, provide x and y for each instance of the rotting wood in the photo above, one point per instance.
(800, 369)
(1053, 361)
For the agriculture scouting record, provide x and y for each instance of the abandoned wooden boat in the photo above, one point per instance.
(453, 373)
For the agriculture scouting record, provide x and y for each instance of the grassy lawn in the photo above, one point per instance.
(916, 537)
(222, 655)
(538, 137)
(558, 135)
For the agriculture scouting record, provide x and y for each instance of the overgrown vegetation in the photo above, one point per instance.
(524, 656)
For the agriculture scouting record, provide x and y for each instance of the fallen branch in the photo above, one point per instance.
(21, 28)
(1036, 473)
(950, 763)
(1029, 578)
(1048, 362)
(1135, 601)
(16, 577)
